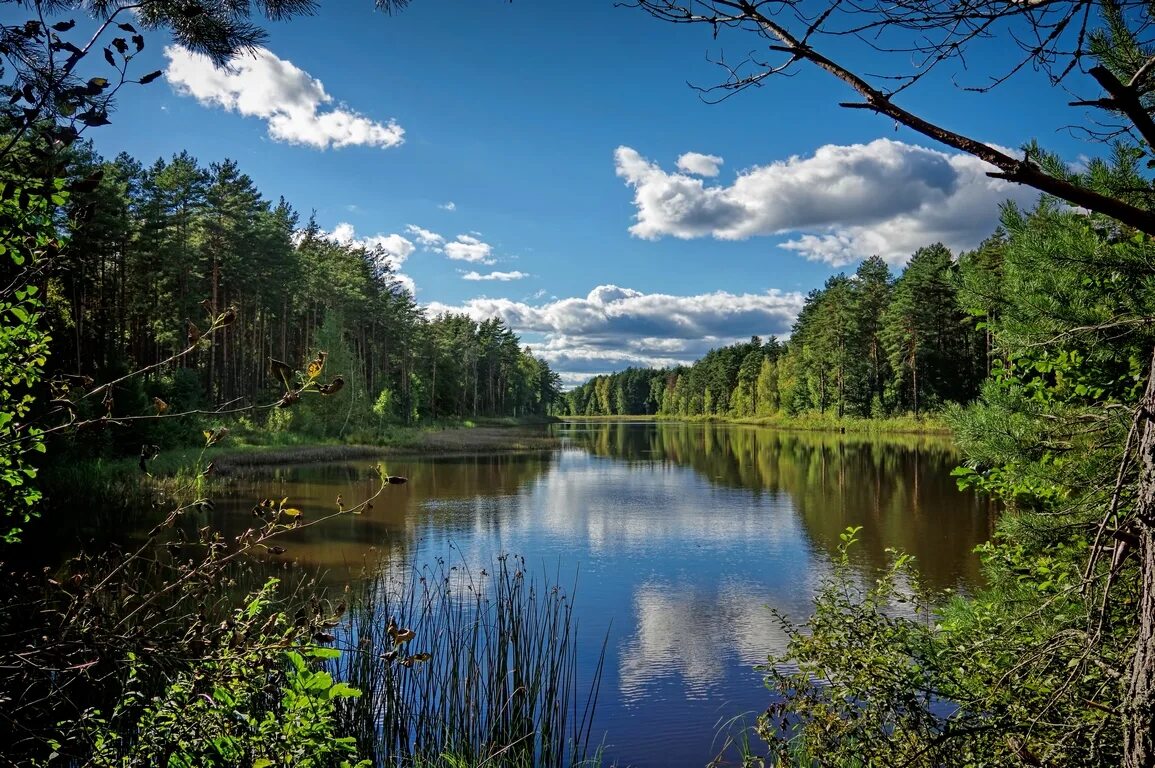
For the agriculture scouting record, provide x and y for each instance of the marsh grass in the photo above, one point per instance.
(462, 667)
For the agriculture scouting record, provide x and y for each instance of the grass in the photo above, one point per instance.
(815, 422)
(458, 667)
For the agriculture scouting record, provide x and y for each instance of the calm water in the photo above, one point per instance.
(680, 537)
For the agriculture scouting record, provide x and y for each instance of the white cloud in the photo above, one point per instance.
(469, 248)
(503, 276)
(699, 164)
(840, 204)
(462, 248)
(449, 206)
(430, 240)
(612, 327)
(289, 99)
(393, 249)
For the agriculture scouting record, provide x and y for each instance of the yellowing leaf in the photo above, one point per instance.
(314, 368)
(291, 512)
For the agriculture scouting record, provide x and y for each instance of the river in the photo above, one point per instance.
(681, 538)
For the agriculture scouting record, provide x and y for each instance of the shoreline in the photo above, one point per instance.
(895, 425)
(426, 443)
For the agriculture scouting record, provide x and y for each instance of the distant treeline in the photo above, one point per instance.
(864, 345)
(167, 245)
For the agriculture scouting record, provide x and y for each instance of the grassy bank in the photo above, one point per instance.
(111, 491)
(813, 422)
(256, 448)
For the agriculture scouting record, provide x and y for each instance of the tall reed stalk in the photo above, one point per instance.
(462, 667)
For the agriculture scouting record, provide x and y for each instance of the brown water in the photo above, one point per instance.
(681, 536)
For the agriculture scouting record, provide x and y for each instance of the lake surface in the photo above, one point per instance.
(681, 537)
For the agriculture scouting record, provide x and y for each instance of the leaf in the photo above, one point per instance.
(324, 653)
(282, 371)
(127, 27)
(262, 762)
(93, 118)
(343, 691)
(138, 41)
(150, 77)
(99, 83)
(291, 512)
(315, 367)
(64, 26)
(109, 57)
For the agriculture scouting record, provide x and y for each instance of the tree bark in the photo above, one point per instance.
(1139, 730)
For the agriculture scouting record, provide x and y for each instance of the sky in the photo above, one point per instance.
(551, 163)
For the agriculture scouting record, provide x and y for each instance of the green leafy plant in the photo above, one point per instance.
(256, 698)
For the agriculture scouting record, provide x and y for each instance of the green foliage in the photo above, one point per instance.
(1033, 668)
(257, 698)
(883, 674)
(28, 243)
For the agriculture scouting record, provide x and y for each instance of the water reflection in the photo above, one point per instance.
(695, 634)
(683, 536)
(393, 528)
(898, 488)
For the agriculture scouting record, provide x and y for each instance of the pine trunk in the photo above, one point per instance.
(1139, 730)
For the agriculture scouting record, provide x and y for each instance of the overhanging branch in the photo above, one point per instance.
(1019, 171)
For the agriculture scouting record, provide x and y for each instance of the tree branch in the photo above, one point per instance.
(1010, 168)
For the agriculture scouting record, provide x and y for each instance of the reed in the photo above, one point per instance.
(458, 667)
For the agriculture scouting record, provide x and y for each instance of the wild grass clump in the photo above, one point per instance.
(459, 667)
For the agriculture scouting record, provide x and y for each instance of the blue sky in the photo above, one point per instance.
(549, 163)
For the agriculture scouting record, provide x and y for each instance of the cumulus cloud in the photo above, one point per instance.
(502, 276)
(840, 204)
(462, 248)
(699, 164)
(392, 249)
(614, 327)
(469, 248)
(430, 240)
(290, 100)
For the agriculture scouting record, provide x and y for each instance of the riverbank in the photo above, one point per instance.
(449, 440)
(894, 425)
(112, 486)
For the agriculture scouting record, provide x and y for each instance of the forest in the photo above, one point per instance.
(171, 245)
(865, 345)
